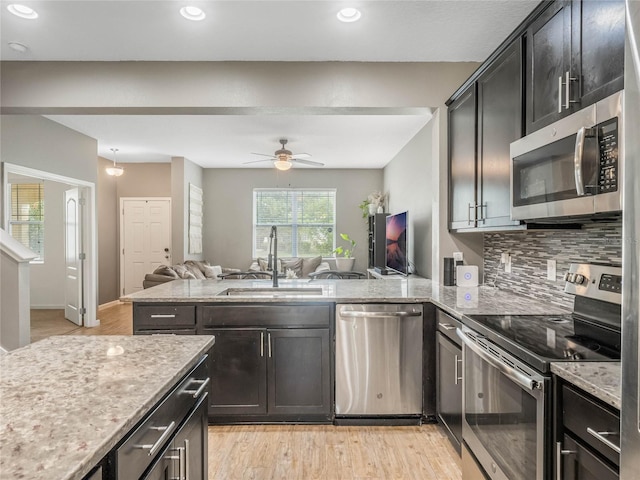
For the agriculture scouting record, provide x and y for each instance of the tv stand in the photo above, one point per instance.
(373, 273)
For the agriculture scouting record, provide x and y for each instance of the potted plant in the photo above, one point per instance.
(374, 203)
(345, 262)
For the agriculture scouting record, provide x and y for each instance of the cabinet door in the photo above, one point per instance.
(548, 60)
(581, 464)
(499, 124)
(238, 372)
(598, 49)
(191, 445)
(462, 160)
(449, 389)
(299, 371)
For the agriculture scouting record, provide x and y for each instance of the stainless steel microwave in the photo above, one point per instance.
(571, 168)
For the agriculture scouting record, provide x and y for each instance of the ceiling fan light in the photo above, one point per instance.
(282, 165)
(349, 15)
(22, 11)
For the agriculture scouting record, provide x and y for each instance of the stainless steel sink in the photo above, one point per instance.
(271, 292)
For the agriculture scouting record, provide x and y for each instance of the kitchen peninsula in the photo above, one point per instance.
(69, 401)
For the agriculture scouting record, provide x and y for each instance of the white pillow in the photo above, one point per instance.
(212, 271)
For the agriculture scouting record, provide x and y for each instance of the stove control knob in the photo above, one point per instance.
(567, 276)
(579, 280)
(571, 277)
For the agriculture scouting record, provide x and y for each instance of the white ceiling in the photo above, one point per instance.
(248, 30)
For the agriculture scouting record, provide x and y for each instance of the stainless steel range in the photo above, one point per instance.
(507, 380)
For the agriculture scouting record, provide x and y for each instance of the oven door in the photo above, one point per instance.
(505, 410)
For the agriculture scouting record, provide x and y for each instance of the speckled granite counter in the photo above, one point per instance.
(600, 379)
(455, 300)
(66, 401)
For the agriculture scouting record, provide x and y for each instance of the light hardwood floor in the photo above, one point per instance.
(296, 452)
(328, 452)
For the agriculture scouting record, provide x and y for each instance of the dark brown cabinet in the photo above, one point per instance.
(449, 379)
(575, 57)
(483, 122)
(587, 435)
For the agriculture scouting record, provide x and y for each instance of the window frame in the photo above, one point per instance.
(11, 223)
(294, 225)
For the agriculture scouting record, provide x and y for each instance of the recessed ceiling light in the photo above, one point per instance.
(349, 15)
(192, 13)
(22, 11)
(18, 47)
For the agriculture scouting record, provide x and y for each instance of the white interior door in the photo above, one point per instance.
(73, 304)
(145, 239)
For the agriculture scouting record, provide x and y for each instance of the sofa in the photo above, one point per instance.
(192, 269)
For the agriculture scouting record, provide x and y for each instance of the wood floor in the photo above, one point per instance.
(330, 453)
(295, 452)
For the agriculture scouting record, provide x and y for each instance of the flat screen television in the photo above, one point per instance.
(397, 259)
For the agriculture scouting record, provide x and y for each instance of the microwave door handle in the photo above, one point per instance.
(577, 160)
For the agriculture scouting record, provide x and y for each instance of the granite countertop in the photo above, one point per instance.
(66, 401)
(457, 301)
(600, 379)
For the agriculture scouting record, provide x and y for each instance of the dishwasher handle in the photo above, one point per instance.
(360, 314)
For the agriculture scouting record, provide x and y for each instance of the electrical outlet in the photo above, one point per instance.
(551, 270)
(507, 263)
(503, 257)
(458, 257)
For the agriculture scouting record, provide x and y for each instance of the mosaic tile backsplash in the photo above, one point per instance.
(595, 243)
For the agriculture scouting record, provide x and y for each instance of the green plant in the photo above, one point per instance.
(346, 252)
(364, 206)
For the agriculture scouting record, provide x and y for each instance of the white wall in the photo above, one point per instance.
(48, 278)
(228, 208)
(407, 182)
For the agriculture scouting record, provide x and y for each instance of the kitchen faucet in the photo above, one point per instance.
(273, 240)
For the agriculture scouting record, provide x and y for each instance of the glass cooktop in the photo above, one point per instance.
(540, 339)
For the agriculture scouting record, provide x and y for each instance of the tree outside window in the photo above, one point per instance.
(26, 223)
(305, 219)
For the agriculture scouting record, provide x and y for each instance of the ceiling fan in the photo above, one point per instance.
(283, 159)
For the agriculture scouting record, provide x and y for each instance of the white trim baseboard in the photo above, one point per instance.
(46, 307)
(113, 303)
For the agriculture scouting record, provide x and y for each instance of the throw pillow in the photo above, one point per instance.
(254, 267)
(194, 268)
(212, 271)
(294, 264)
(183, 272)
(309, 265)
(166, 270)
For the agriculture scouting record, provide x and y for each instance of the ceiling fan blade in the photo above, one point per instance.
(307, 162)
(301, 155)
(258, 161)
(262, 154)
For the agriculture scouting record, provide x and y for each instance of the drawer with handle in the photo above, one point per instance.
(140, 448)
(148, 317)
(447, 325)
(592, 423)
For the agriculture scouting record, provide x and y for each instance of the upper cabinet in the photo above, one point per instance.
(575, 57)
(483, 121)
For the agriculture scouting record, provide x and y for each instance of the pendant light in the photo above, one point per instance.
(115, 171)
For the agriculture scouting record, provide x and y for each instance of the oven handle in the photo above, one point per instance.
(577, 160)
(508, 371)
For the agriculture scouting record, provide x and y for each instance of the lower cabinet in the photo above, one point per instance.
(449, 378)
(271, 374)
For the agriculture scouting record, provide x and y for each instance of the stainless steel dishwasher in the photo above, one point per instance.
(379, 360)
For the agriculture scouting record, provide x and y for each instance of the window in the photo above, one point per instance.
(306, 221)
(26, 220)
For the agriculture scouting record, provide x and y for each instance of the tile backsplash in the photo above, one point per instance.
(594, 243)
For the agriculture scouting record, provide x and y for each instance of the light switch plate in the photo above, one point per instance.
(507, 264)
(551, 270)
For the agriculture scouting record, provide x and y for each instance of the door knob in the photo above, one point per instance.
(166, 250)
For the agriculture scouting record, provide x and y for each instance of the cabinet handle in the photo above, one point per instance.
(602, 437)
(560, 94)
(470, 207)
(203, 384)
(163, 315)
(559, 453)
(456, 373)
(166, 432)
(181, 462)
(447, 326)
(186, 460)
(481, 216)
(262, 344)
(269, 340)
(569, 79)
